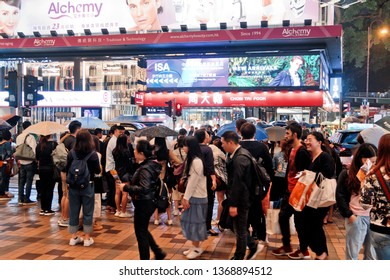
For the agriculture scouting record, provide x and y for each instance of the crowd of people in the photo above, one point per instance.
(210, 166)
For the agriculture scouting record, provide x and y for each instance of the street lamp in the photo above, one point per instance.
(383, 31)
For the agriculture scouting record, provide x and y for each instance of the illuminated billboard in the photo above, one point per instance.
(235, 72)
(140, 15)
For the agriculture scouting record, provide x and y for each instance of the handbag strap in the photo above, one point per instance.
(383, 184)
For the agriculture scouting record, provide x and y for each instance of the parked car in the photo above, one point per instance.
(345, 141)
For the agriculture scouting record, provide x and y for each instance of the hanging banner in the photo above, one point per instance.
(241, 99)
(140, 15)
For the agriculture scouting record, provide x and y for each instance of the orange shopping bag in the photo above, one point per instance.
(302, 190)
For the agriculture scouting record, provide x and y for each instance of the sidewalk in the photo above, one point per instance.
(26, 235)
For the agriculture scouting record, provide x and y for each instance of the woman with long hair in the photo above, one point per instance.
(322, 162)
(124, 166)
(357, 219)
(194, 202)
(46, 167)
(375, 195)
(142, 189)
(82, 197)
(181, 155)
(165, 157)
(9, 16)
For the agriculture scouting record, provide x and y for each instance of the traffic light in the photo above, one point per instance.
(12, 89)
(178, 109)
(168, 109)
(31, 95)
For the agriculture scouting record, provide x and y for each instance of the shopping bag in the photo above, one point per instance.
(323, 193)
(302, 190)
(272, 222)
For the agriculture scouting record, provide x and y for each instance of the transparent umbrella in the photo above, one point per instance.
(46, 128)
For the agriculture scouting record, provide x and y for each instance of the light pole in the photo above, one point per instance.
(369, 44)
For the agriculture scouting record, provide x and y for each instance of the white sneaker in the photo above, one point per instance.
(125, 215)
(157, 222)
(88, 242)
(75, 241)
(169, 222)
(186, 252)
(176, 213)
(117, 213)
(195, 252)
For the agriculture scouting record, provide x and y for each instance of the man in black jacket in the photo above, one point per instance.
(299, 159)
(240, 193)
(257, 150)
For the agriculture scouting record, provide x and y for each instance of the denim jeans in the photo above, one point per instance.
(381, 243)
(240, 226)
(81, 197)
(26, 176)
(357, 235)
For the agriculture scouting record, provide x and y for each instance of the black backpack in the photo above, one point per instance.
(78, 175)
(261, 178)
(161, 196)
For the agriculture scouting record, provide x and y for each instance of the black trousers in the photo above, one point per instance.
(256, 219)
(111, 190)
(313, 230)
(210, 202)
(143, 209)
(286, 211)
(47, 188)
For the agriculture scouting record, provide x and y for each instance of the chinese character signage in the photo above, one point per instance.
(241, 99)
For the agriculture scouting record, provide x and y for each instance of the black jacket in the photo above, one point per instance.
(343, 195)
(240, 171)
(144, 180)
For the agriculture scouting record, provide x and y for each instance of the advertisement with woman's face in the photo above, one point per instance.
(9, 16)
(145, 14)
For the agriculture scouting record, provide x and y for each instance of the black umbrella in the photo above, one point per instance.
(156, 131)
(4, 125)
(13, 120)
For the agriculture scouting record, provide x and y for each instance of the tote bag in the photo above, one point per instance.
(272, 222)
(323, 193)
(302, 190)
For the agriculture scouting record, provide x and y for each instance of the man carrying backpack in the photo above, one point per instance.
(240, 194)
(258, 150)
(69, 141)
(27, 168)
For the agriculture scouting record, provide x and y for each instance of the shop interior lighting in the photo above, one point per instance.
(54, 33)
(37, 34)
(203, 26)
(21, 35)
(264, 23)
(286, 23)
(243, 24)
(184, 27)
(70, 32)
(4, 35)
(105, 31)
(164, 28)
(122, 30)
(307, 22)
(87, 32)
(223, 25)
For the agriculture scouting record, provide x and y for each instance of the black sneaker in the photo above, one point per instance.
(254, 251)
(49, 213)
(160, 256)
(29, 202)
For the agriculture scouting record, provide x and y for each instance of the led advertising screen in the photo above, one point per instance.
(275, 71)
(191, 72)
(235, 72)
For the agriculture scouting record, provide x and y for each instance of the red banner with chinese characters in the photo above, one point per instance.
(239, 99)
(281, 33)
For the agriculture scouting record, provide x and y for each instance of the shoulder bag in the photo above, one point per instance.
(24, 151)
